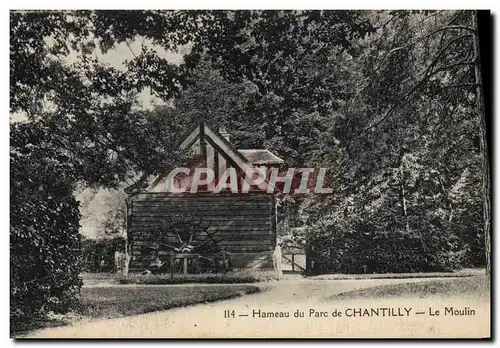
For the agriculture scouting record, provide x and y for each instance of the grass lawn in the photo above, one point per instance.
(466, 272)
(114, 302)
(119, 301)
(477, 287)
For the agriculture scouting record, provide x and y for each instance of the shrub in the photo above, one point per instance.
(362, 248)
(44, 238)
(234, 277)
(397, 226)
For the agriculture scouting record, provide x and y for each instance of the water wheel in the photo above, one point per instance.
(188, 237)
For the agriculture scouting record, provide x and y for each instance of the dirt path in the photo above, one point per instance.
(288, 295)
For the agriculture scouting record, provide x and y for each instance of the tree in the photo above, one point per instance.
(89, 106)
(412, 93)
(486, 177)
(453, 72)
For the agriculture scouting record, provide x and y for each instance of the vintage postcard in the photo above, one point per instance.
(250, 174)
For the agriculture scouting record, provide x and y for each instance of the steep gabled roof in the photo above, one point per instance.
(241, 159)
(220, 143)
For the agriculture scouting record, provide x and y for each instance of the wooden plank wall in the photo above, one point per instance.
(246, 223)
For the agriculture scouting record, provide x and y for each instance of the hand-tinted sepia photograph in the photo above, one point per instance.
(250, 174)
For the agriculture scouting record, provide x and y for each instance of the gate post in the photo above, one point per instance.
(185, 265)
(171, 265)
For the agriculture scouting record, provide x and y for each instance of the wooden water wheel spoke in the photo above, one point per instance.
(178, 237)
(192, 236)
(202, 243)
(169, 246)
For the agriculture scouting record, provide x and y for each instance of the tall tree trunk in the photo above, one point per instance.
(484, 147)
(403, 193)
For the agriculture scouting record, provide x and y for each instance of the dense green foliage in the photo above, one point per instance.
(386, 100)
(44, 215)
(398, 173)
